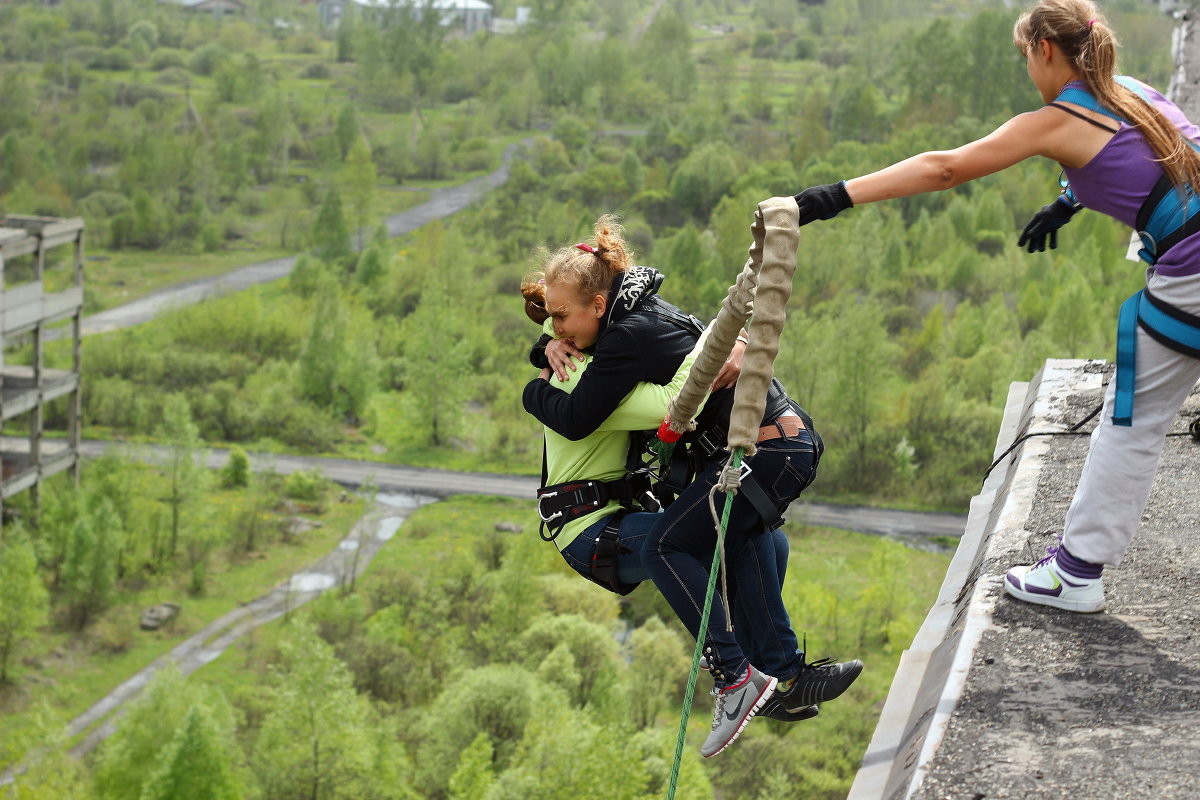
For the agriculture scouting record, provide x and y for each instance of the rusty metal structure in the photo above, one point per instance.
(29, 311)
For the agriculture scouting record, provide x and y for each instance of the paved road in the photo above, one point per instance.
(910, 526)
(442, 203)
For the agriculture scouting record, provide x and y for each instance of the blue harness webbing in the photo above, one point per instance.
(1167, 216)
(1171, 327)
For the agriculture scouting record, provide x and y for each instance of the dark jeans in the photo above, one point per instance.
(631, 569)
(678, 553)
(631, 537)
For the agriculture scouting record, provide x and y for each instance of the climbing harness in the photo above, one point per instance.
(604, 559)
(764, 285)
(1166, 324)
(563, 502)
(1166, 217)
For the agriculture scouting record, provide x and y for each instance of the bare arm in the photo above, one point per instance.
(1045, 132)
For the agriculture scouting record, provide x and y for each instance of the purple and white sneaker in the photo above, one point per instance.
(1048, 584)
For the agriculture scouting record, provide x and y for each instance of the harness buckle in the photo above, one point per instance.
(744, 470)
(1149, 251)
(542, 513)
(707, 445)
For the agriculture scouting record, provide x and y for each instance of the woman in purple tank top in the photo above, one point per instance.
(1124, 148)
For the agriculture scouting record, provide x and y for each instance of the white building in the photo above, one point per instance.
(467, 16)
(218, 8)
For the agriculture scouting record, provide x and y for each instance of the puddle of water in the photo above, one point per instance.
(397, 500)
(348, 544)
(312, 582)
(388, 527)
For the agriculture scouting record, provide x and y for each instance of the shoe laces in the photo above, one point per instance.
(1052, 550)
(818, 664)
(720, 710)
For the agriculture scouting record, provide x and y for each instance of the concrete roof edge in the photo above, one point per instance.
(929, 680)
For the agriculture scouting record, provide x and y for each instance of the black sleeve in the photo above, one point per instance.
(537, 355)
(616, 367)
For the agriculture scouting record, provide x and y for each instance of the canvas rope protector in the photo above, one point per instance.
(762, 290)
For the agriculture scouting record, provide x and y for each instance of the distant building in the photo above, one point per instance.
(218, 8)
(41, 299)
(467, 16)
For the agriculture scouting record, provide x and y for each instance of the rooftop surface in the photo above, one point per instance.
(1001, 699)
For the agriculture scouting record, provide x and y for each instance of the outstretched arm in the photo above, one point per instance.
(1023, 136)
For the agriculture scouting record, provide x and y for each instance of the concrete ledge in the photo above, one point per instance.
(998, 698)
(922, 693)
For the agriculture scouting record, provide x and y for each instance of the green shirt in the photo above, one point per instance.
(601, 455)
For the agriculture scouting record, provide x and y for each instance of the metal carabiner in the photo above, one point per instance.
(541, 513)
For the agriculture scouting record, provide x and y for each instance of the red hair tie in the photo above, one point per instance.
(1091, 22)
(587, 248)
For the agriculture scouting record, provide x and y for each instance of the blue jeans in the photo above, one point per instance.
(632, 569)
(630, 539)
(678, 553)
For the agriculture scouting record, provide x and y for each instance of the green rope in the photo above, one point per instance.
(663, 452)
(701, 633)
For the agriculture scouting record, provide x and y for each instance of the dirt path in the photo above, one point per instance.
(348, 560)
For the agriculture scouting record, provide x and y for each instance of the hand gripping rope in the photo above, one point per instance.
(762, 288)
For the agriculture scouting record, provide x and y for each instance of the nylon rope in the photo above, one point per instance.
(692, 675)
(763, 289)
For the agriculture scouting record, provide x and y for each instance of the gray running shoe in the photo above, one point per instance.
(736, 704)
(819, 682)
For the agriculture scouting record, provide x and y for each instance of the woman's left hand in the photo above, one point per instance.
(731, 370)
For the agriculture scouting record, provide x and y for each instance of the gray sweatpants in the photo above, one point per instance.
(1121, 461)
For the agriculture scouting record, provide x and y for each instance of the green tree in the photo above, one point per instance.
(703, 177)
(23, 598)
(473, 776)
(196, 764)
(325, 349)
(345, 131)
(187, 479)
(346, 33)
(236, 472)
(90, 569)
(861, 355)
(358, 183)
(330, 234)
(127, 761)
(315, 741)
(437, 356)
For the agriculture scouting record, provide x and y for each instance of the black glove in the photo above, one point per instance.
(823, 202)
(1045, 222)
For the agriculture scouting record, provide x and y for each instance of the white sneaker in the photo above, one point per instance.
(1046, 584)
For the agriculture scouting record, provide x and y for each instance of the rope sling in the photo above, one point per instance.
(762, 290)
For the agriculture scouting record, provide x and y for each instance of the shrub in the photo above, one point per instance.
(236, 471)
(308, 485)
(317, 71)
(165, 58)
(206, 59)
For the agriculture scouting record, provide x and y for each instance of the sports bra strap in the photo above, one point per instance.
(1075, 113)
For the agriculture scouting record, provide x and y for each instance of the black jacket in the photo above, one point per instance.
(642, 338)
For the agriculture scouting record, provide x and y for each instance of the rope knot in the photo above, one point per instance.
(730, 479)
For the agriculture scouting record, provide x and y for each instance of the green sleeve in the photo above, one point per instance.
(646, 405)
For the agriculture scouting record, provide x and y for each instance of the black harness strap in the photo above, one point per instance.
(604, 559)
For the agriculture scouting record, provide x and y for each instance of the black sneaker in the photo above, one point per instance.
(773, 709)
(818, 682)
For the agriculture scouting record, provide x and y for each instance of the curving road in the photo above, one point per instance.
(912, 527)
(443, 202)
